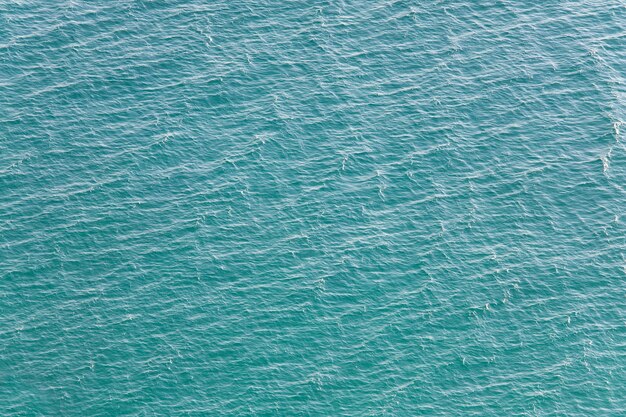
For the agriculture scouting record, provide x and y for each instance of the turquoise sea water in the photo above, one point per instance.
(312, 208)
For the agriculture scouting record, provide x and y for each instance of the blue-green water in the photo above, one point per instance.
(345, 208)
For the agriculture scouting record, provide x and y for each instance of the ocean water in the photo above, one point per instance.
(312, 208)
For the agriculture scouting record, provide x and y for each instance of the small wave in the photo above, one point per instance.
(606, 160)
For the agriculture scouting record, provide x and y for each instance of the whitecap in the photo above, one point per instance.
(616, 126)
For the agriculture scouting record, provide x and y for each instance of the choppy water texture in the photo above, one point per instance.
(312, 208)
